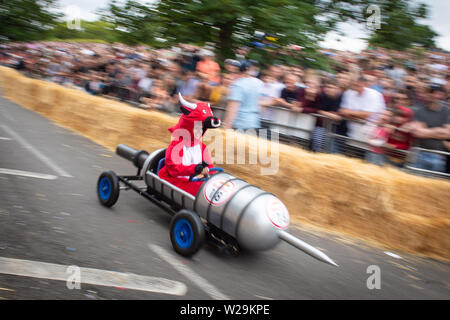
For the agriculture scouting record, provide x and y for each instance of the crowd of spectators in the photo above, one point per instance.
(384, 100)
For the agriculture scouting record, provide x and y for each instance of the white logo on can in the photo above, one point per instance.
(217, 197)
(277, 213)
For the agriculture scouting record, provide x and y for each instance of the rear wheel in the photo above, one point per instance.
(108, 188)
(187, 233)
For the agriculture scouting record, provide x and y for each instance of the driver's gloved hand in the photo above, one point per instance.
(198, 169)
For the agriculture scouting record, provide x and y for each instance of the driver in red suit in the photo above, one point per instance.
(187, 156)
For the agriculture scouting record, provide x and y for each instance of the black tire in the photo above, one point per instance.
(194, 236)
(108, 180)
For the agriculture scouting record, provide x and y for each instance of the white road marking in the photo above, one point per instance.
(393, 255)
(263, 297)
(208, 288)
(36, 152)
(5, 138)
(27, 174)
(51, 271)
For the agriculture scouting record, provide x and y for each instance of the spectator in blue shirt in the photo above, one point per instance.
(243, 111)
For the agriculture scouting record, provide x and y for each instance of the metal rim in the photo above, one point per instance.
(184, 235)
(104, 188)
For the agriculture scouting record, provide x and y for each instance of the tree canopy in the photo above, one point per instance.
(133, 21)
(400, 28)
(232, 23)
(92, 30)
(25, 20)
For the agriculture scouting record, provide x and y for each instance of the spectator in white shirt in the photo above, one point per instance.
(361, 103)
(276, 86)
(144, 87)
(145, 84)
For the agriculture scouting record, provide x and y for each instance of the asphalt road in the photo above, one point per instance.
(50, 219)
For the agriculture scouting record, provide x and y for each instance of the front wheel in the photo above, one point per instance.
(187, 233)
(108, 188)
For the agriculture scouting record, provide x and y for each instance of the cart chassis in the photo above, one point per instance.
(216, 237)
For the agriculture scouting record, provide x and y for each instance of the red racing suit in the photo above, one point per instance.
(187, 155)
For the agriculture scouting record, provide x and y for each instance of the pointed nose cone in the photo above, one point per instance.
(306, 248)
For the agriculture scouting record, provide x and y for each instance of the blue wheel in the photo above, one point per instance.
(187, 233)
(183, 233)
(104, 188)
(108, 188)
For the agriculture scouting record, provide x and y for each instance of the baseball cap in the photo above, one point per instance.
(246, 64)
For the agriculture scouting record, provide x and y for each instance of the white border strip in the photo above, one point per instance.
(27, 174)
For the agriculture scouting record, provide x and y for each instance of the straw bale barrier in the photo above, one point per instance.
(383, 205)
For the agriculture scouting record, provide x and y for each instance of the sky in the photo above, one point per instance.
(438, 20)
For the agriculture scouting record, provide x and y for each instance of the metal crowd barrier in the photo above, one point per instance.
(412, 156)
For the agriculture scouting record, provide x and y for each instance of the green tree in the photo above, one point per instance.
(92, 30)
(133, 21)
(231, 23)
(25, 20)
(400, 28)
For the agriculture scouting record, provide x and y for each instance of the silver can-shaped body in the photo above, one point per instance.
(247, 213)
